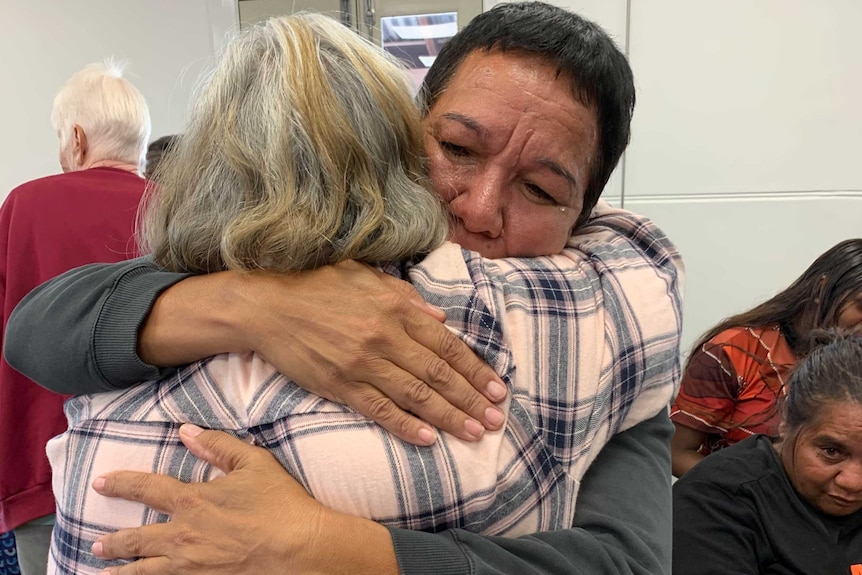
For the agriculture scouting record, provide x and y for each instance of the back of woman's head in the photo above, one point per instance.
(811, 302)
(303, 149)
(830, 373)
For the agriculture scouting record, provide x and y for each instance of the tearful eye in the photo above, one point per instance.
(539, 193)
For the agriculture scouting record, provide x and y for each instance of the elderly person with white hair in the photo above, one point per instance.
(48, 226)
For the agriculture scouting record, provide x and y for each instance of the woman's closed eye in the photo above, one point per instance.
(454, 149)
(540, 194)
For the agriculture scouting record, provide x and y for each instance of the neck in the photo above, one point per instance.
(116, 164)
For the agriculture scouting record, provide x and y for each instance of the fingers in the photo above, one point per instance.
(458, 357)
(148, 541)
(441, 363)
(405, 406)
(151, 566)
(427, 371)
(373, 404)
(374, 348)
(158, 492)
(213, 524)
(468, 365)
(456, 408)
(218, 448)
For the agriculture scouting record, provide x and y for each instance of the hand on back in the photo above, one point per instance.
(361, 337)
(248, 533)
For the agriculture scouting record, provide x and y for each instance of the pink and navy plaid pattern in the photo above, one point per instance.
(587, 342)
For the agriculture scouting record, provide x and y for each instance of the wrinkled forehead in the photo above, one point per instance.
(833, 418)
(516, 57)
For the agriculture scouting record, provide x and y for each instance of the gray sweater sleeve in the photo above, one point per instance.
(78, 332)
(622, 522)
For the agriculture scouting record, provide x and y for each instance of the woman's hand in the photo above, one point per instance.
(256, 519)
(347, 333)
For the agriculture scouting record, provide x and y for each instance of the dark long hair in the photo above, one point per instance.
(601, 76)
(813, 301)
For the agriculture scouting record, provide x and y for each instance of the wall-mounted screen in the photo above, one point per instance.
(417, 39)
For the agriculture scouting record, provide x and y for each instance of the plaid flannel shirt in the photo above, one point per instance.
(586, 341)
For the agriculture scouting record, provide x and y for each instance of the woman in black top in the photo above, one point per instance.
(793, 507)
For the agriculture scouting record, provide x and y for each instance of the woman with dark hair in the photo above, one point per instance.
(791, 506)
(737, 370)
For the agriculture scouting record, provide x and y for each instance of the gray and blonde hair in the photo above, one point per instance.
(111, 110)
(303, 149)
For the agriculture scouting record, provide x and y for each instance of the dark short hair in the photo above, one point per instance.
(601, 76)
(830, 373)
(162, 144)
(156, 151)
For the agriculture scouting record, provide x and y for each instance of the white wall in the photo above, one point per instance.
(746, 139)
(166, 42)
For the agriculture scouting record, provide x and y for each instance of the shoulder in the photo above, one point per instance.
(34, 195)
(732, 468)
(35, 186)
(107, 182)
(451, 269)
(96, 181)
(612, 240)
(446, 268)
(638, 267)
(751, 344)
(634, 259)
(616, 234)
(747, 338)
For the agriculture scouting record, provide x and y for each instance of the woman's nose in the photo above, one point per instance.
(480, 206)
(849, 480)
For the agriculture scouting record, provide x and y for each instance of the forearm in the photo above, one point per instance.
(685, 460)
(622, 524)
(347, 332)
(685, 445)
(77, 333)
(107, 326)
(195, 318)
(354, 546)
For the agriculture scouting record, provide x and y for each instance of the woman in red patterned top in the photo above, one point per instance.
(736, 371)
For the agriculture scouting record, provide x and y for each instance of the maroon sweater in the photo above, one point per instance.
(49, 226)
